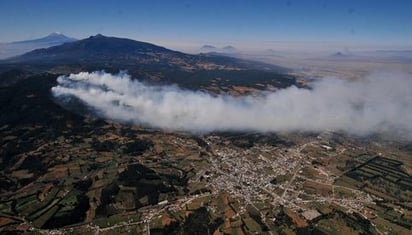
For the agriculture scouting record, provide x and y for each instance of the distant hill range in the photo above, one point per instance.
(338, 55)
(210, 48)
(96, 49)
(148, 61)
(229, 49)
(19, 47)
(125, 53)
(396, 56)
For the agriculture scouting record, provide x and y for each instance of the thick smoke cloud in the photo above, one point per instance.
(377, 103)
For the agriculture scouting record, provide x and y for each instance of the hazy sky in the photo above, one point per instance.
(362, 22)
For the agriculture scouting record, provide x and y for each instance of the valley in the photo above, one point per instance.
(63, 172)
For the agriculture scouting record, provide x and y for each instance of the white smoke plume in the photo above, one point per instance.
(378, 103)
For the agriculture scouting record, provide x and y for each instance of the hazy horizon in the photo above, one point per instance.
(277, 25)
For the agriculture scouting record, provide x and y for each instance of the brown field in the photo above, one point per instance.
(6, 221)
(296, 219)
(318, 188)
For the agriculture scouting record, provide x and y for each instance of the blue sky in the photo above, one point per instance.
(362, 22)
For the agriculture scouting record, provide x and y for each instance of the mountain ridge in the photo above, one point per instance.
(124, 52)
(150, 62)
(97, 44)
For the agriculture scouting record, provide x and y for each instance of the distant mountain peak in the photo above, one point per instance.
(19, 47)
(59, 36)
(54, 38)
(55, 34)
(338, 54)
(229, 48)
(208, 47)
